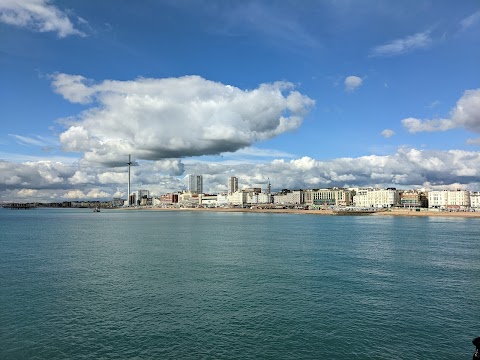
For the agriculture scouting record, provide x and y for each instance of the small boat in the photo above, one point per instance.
(97, 209)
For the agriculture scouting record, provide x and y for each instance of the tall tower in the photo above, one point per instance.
(129, 163)
(195, 183)
(232, 184)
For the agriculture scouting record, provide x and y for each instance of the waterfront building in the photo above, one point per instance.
(170, 198)
(328, 197)
(413, 199)
(222, 199)
(289, 197)
(137, 196)
(377, 198)
(195, 183)
(188, 198)
(232, 184)
(259, 198)
(475, 199)
(207, 200)
(238, 198)
(448, 199)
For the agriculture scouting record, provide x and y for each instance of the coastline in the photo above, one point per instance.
(395, 212)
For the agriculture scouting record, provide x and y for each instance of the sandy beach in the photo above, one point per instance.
(394, 212)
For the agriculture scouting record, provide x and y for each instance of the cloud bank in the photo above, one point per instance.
(37, 15)
(406, 168)
(156, 119)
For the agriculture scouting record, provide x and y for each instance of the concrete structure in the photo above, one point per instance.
(328, 197)
(448, 199)
(194, 183)
(377, 198)
(232, 184)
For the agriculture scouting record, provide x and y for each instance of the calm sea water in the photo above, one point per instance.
(194, 285)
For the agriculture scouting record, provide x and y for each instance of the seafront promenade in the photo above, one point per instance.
(393, 212)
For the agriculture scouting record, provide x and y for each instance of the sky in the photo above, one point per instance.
(304, 94)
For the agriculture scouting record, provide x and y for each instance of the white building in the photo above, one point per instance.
(222, 199)
(259, 198)
(444, 199)
(238, 198)
(195, 183)
(475, 199)
(293, 197)
(377, 198)
(207, 200)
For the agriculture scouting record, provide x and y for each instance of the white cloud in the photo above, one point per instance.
(416, 125)
(34, 140)
(26, 193)
(156, 119)
(387, 133)
(402, 46)
(466, 114)
(470, 21)
(434, 104)
(352, 82)
(37, 15)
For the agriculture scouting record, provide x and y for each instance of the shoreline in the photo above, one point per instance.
(412, 213)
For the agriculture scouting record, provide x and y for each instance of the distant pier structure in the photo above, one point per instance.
(19, 206)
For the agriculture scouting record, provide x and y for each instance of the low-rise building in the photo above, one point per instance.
(475, 199)
(377, 198)
(449, 200)
(207, 200)
(413, 199)
(289, 197)
(328, 197)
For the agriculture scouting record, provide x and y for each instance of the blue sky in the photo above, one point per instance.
(308, 94)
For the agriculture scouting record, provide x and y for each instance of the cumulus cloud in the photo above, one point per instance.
(37, 15)
(414, 125)
(402, 46)
(157, 119)
(387, 133)
(466, 114)
(352, 82)
(406, 168)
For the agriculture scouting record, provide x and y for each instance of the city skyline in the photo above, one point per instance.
(311, 95)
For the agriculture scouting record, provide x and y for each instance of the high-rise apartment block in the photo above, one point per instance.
(232, 185)
(195, 183)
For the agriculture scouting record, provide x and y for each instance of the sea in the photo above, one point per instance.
(120, 284)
